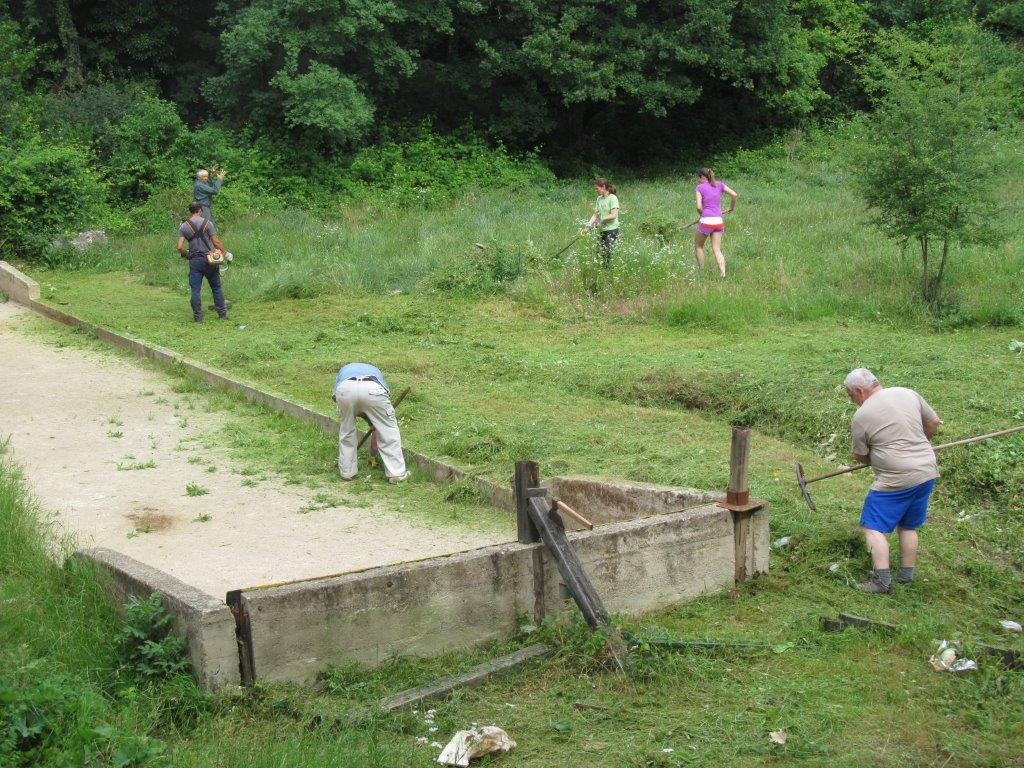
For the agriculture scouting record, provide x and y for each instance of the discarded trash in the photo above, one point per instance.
(422, 739)
(778, 737)
(465, 745)
(242, 327)
(947, 658)
(437, 745)
(1017, 346)
(1013, 626)
(834, 568)
(668, 750)
(783, 542)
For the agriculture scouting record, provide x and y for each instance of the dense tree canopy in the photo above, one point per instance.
(329, 75)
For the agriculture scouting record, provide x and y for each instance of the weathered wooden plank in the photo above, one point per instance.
(527, 477)
(468, 679)
(552, 532)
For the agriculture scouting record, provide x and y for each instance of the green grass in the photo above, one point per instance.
(193, 489)
(637, 374)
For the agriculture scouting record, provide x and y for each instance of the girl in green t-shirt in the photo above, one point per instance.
(606, 215)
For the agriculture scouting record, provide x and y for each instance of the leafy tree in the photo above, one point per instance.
(926, 170)
(315, 66)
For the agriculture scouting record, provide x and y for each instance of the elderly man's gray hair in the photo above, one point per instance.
(202, 172)
(860, 378)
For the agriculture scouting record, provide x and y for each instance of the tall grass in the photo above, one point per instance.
(798, 248)
(63, 699)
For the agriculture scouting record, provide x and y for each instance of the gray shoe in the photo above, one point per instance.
(399, 478)
(348, 478)
(874, 587)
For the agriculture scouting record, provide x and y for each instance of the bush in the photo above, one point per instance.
(136, 153)
(429, 168)
(149, 650)
(46, 190)
(488, 271)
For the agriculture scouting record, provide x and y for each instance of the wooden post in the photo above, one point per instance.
(527, 478)
(739, 491)
(738, 496)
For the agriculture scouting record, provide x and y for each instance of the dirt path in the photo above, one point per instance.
(106, 445)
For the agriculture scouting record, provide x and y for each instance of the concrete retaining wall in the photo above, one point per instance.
(454, 602)
(16, 285)
(602, 500)
(205, 622)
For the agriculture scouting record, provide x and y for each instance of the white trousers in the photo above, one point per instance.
(370, 399)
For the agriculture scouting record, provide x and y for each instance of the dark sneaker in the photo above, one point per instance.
(199, 319)
(874, 587)
(223, 317)
(905, 581)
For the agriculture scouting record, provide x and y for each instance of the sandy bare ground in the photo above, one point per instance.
(74, 416)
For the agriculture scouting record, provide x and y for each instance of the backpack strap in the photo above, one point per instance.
(203, 226)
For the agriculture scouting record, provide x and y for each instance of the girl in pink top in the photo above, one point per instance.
(711, 221)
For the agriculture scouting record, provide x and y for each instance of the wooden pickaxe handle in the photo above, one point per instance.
(372, 428)
(937, 449)
(574, 515)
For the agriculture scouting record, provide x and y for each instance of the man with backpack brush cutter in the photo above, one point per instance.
(205, 254)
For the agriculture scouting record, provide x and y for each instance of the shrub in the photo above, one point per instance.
(46, 190)
(488, 271)
(136, 153)
(149, 650)
(428, 168)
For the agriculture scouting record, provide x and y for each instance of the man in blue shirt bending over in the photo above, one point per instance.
(360, 390)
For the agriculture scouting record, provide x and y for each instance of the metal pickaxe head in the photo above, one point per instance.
(800, 481)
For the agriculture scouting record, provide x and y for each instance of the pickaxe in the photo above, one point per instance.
(803, 482)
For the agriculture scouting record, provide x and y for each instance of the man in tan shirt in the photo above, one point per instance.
(891, 430)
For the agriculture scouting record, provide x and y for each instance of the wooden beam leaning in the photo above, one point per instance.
(552, 532)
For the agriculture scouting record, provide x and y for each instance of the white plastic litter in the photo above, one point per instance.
(947, 658)
(783, 542)
(1017, 346)
(465, 745)
(421, 739)
(1013, 626)
(834, 568)
(778, 737)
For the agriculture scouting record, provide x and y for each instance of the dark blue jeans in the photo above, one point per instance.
(198, 268)
(608, 240)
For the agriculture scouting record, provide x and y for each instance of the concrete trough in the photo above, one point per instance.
(448, 603)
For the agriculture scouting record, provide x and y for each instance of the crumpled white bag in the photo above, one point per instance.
(465, 745)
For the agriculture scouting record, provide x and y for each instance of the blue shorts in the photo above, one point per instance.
(906, 508)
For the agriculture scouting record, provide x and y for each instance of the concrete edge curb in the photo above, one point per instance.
(17, 285)
(205, 622)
